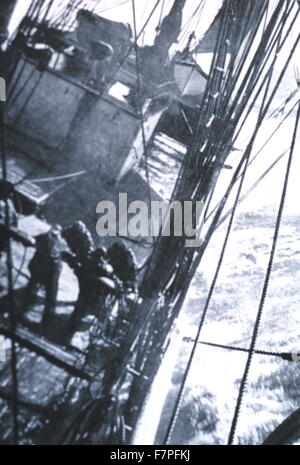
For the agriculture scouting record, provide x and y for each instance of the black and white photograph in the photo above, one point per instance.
(149, 225)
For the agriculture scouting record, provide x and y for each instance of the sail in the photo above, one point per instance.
(208, 42)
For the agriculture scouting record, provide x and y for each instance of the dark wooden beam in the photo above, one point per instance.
(50, 351)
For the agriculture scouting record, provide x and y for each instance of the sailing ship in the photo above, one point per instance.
(85, 99)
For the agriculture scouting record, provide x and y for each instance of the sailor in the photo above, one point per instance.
(108, 288)
(96, 280)
(100, 57)
(124, 264)
(45, 268)
(6, 208)
(99, 264)
(81, 246)
(80, 242)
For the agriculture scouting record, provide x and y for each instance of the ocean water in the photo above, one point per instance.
(212, 385)
(213, 382)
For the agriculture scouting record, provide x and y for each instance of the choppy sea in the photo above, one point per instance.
(212, 385)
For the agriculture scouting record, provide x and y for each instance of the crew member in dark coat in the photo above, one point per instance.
(81, 246)
(45, 268)
(96, 280)
(6, 192)
(105, 284)
(100, 57)
(124, 264)
(80, 242)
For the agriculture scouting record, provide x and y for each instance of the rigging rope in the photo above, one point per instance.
(253, 159)
(288, 356)
(160, 16)
(184, 288)
(179, 398)
(257, 182)
(138, 75)
(265, 287)
(248, 150)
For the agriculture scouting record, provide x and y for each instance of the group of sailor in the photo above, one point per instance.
(100, 272)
